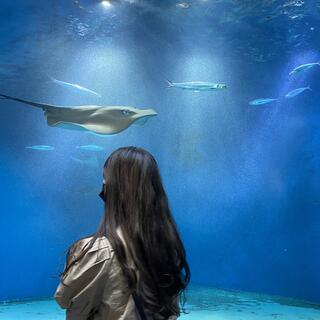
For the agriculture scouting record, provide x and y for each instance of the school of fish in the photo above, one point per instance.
(293, 93)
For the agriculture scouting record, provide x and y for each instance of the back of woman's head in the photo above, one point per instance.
(137, 203)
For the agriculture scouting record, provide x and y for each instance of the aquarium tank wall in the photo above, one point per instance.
(224, 94)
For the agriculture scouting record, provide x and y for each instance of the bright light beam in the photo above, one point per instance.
(106, 3)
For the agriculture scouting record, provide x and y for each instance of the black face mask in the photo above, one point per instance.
(101, 194)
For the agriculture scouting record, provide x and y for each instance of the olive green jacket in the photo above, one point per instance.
(95, 287)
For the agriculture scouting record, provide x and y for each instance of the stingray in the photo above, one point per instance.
(102, 120)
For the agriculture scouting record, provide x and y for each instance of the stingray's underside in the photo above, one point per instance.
(85, 120)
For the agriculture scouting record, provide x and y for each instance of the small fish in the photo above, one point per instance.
(74, 86)
(40, 147)
(76, 159)
(90, 162)
(297, 91)
(183, 5)
(91, 147)
(197, 85)
(304, 67)
(258, 102)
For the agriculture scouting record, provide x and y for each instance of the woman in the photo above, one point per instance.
(132, 266)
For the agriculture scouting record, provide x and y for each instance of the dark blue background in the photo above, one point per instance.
(243, 181)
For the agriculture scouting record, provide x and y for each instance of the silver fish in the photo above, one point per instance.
(183, 5)
(304, 67)
(91, 147)
(90, 162)
(258, 102)
(297, 91)
(41, 147)
(74, 86)
(197, 85)
(98, 119)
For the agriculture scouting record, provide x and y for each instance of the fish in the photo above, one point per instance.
(196, 85)
(258, 102)
(41, 147)
(98, 119)
(74, 86)
(75, 159)
(90, 162)
(304, 67)
(183, 5)
(297, 91)
(91, 147)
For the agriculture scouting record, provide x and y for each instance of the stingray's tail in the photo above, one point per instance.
(35, 104)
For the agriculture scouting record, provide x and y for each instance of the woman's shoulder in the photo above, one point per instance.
(100, 244)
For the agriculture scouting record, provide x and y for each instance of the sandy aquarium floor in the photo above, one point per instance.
(203, 303)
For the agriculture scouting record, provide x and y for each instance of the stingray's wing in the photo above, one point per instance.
(70, 114)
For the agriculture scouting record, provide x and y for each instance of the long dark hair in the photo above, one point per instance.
(137, 203)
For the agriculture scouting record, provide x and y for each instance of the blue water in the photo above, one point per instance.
(243, 181)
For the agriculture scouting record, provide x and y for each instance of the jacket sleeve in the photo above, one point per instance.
(82, 287)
